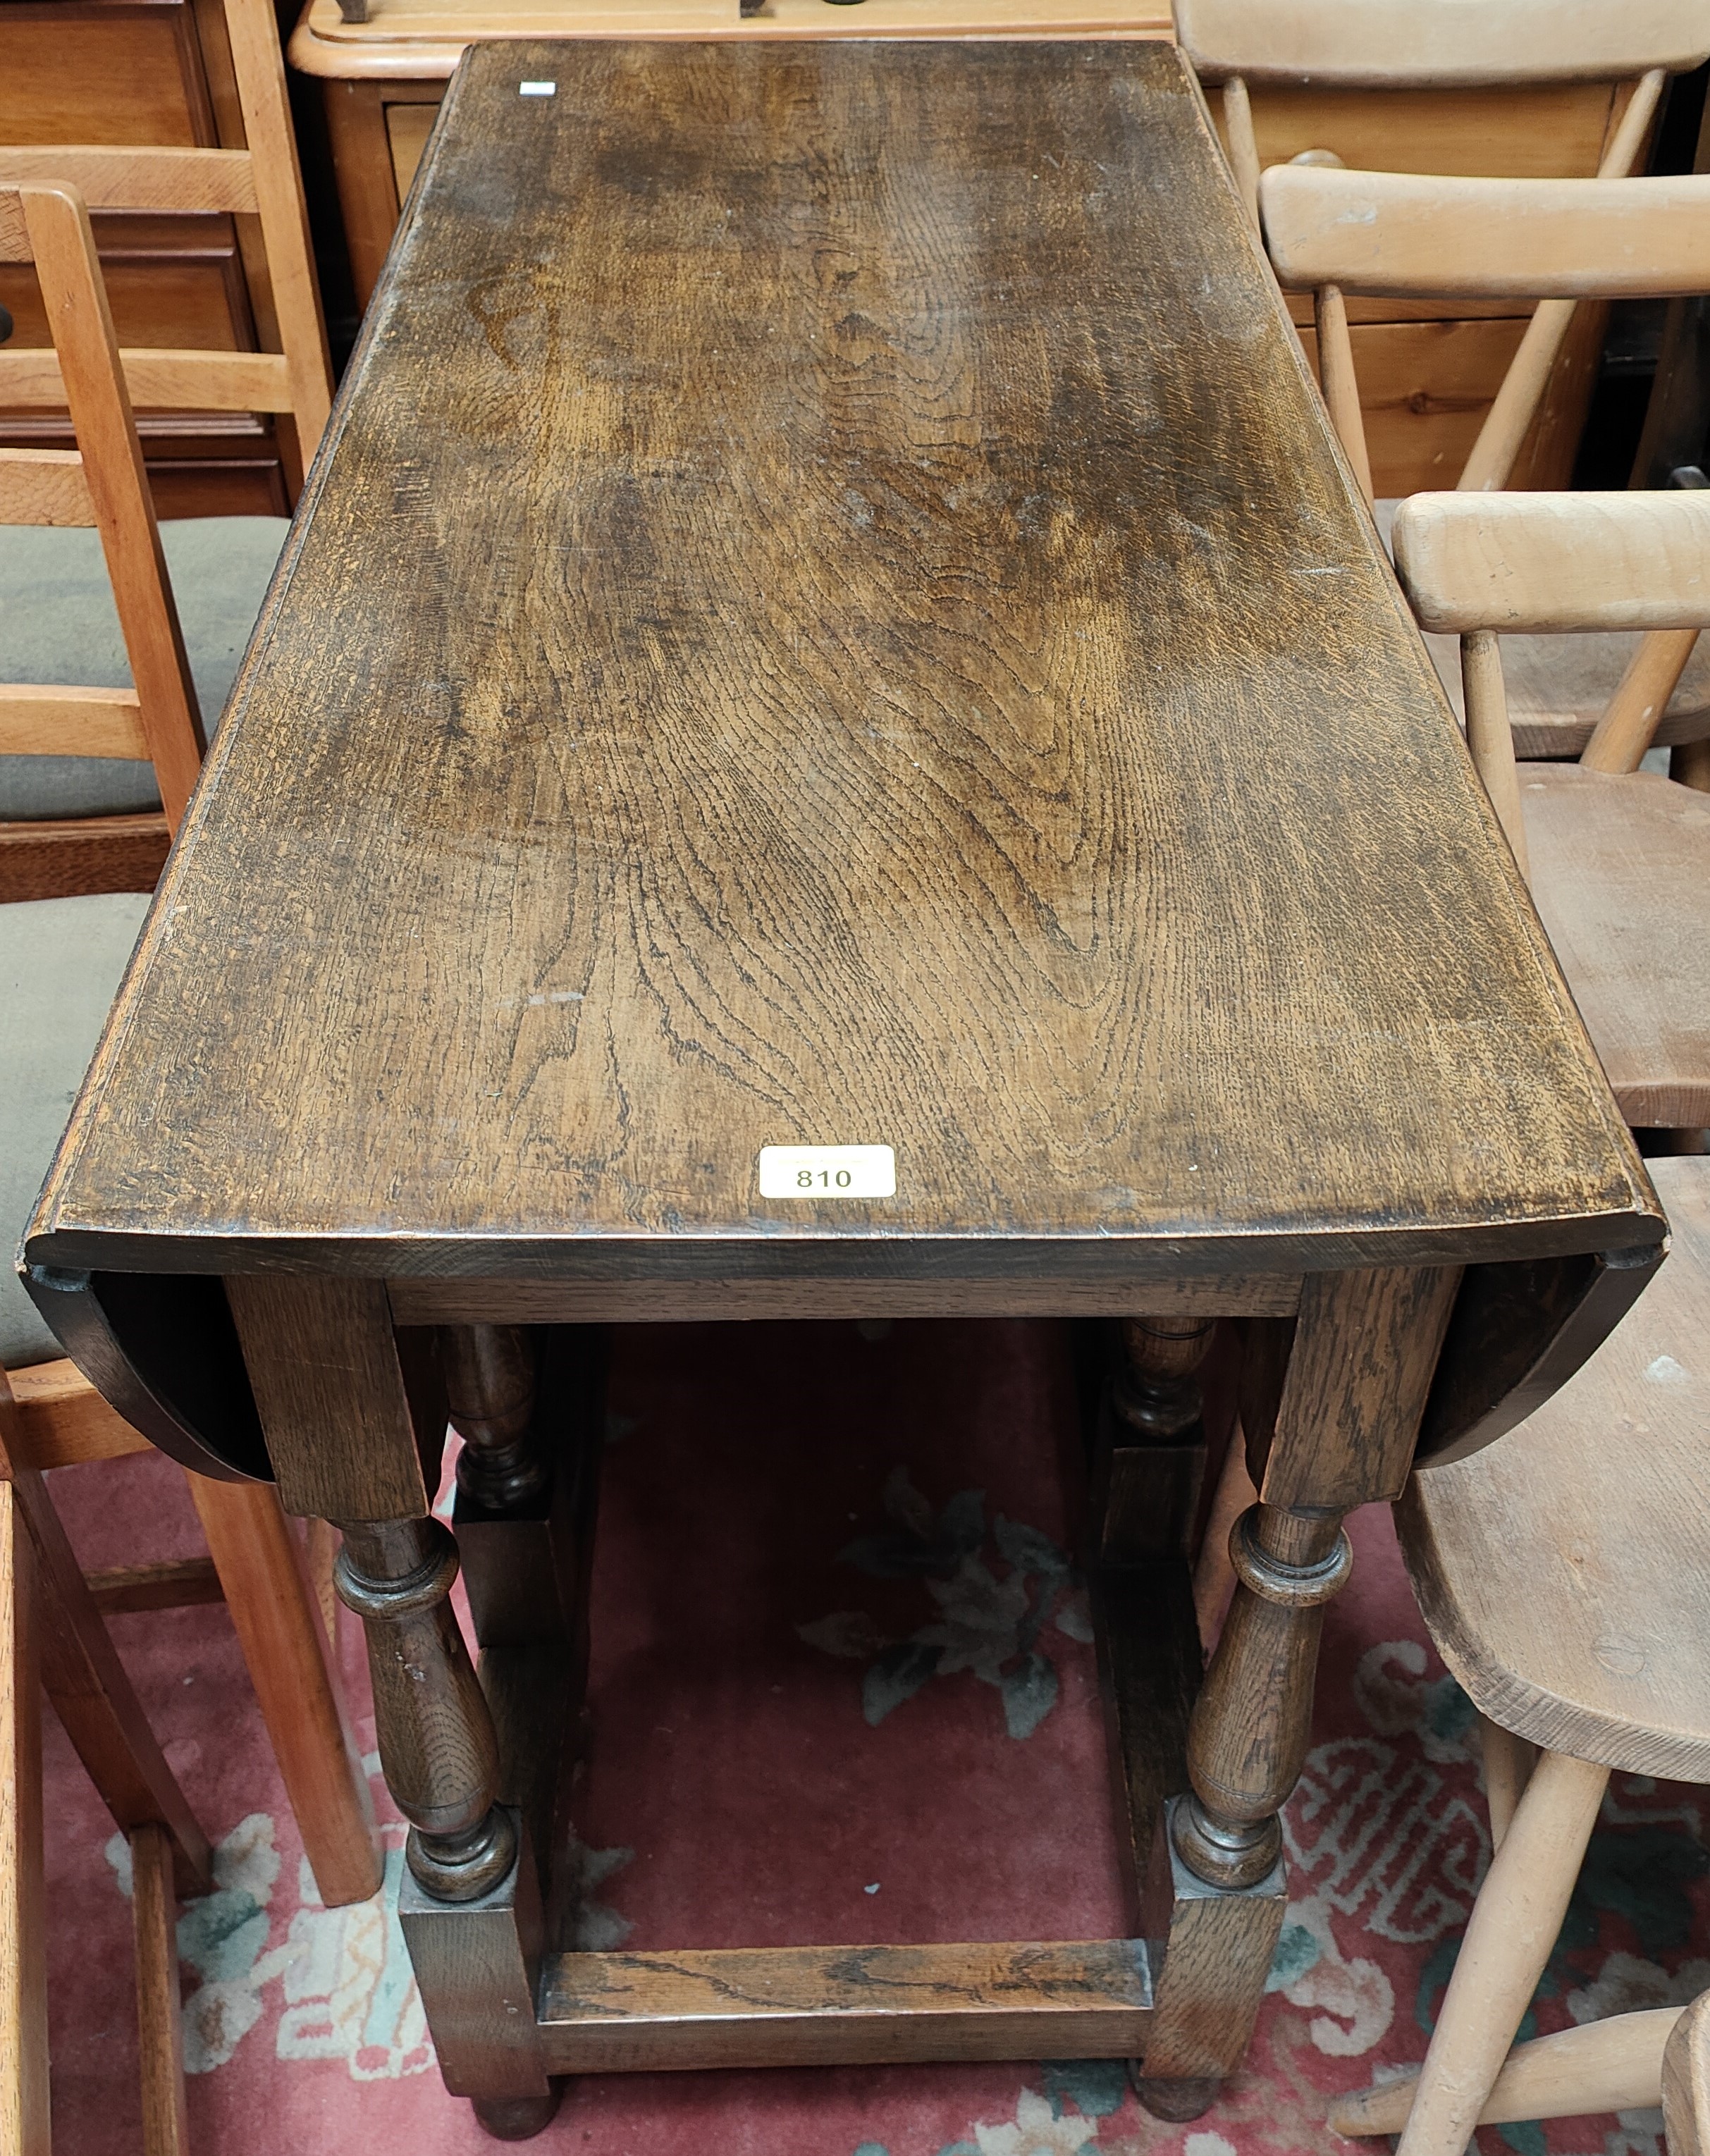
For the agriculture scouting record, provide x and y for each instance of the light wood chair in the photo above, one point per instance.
(262, 183)
(78, 846)
(1557, 690)
(62, 959)
(1335, 233)
(52, 1638)
(1619, 858)
(1630, 2062)
(1565, 1574)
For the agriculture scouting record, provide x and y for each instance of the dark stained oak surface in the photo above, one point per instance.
(830, 614)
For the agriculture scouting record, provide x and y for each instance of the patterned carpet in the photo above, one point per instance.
(843, 1690)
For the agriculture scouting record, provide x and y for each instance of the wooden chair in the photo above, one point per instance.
(62, 959)
(52, 1638)
(1564, 1573)
(86, 849)
(1630, 2062)
(1558, 690)
(1619, 858)
(261, 181)
(1339, 231)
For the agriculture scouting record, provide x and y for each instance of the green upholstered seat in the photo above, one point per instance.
(58, 625)
(60, 963)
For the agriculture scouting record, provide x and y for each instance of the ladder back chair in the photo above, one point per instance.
(1565, 1575)
(93, 826)
(52, 1639)
(1618, 858)
(1336, 232)
(262, 181)
(61, 960)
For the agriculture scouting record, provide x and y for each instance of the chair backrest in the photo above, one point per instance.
(1383, 44)
(1408, 235)
(262, 181)
(1536, 564)
(101, 483)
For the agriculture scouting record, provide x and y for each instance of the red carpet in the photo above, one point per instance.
(842, 1692)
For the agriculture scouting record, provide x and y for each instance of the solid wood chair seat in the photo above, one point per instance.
(1621, 864)
(1564, 1571)
(1558, 685)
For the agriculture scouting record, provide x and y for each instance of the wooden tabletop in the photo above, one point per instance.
(830, 615)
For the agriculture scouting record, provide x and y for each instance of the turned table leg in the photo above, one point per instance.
(1338, 1433)
(529, 1409)
(347, 1444)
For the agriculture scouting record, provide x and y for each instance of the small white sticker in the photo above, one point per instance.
(536, 89)
(827, 1171)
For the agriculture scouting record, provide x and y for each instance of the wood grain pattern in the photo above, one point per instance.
(1360, 42)
(160, 2026)
(56, 721)
(1538, 564)
(601, 2012)
(1595, 1505)
(44, 486)
(160, 381)
(24, 1966)
(179, 1583)
(1612, 2064)
(1620, 864)
(83, 854)
(860, 477)
(296, 1683)
(1515, 1923)
(321, 1359)
(86, 1682)
(61, 1419)
(111, 179)
(629, 1302)
(1380, 232)
(85, 355)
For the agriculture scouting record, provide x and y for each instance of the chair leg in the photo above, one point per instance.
(1515, 1922)
(1686, 2082)
(159, 2028)
(23, 1976)
(284, 1644)
(1508, 1762)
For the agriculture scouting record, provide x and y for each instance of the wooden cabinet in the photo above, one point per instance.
(150, 71)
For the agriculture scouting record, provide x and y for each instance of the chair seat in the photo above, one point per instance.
(61, 963)
(58, 625)
(1564, 1571)
(1558, 686)
(1621, 866)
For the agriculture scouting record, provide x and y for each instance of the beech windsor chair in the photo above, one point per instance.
(1630, 2062)
(1593, 1661)
(80, 844)
(1619, 860)
(1598, 1661)
(1557, 690)
(1338, 231)
(60, 961)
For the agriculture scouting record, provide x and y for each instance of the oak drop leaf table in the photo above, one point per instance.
(829, 617)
